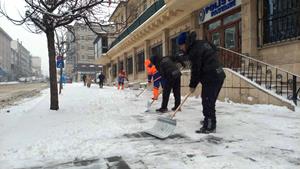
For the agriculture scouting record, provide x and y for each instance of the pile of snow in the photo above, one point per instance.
(8, 83)
(102, 123)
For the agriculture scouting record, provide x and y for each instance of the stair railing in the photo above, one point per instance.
(285, 83)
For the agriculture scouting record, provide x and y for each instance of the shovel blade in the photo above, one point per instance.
(163, 128)
(149, 103)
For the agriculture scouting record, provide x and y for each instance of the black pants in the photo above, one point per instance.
(175, 86)
(101, 84)
(209, 95)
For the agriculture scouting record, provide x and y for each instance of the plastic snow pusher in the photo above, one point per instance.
(165, 126)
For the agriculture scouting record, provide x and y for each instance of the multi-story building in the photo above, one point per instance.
(5, 56)
(81, 52)
(36, 65)
(23, 59)
(266, 30)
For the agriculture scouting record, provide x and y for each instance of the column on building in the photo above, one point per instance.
(165, 42)
(124, 58)
(147, 49)
(249, 27)
(118, 63)
(134, 63)
(195, 26)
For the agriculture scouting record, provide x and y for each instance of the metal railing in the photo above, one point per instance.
(282, 82)
(139, 21)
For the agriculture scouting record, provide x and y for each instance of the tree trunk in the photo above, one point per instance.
(52, 71)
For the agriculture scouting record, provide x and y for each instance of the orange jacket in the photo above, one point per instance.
(151, 69)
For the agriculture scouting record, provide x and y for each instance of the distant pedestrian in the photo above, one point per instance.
(121, 79)
(207, 70)
(84, 79)
(88, 81)
(101, 78)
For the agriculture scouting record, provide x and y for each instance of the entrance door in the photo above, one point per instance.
(225, 31)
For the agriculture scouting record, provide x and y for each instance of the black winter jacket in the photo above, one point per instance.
(205, 65)
(166, 67)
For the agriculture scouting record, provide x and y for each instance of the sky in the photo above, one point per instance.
(35, 43)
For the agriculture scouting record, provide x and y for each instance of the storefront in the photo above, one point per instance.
(222, 23)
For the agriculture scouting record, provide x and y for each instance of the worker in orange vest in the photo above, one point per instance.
(153, 75)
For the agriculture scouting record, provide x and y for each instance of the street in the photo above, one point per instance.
(11, 93)
(103, 128)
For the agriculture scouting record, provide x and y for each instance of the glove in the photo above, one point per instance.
(192, 90)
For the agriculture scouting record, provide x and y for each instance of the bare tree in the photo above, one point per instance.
(45, 16)
(62, 46)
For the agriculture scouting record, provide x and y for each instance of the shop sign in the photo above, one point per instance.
(216, 8)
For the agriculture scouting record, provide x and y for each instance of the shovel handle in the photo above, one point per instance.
(141, 92)
(185, 98)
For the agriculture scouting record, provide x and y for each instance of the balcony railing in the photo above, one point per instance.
(139, 21)
(270, 77)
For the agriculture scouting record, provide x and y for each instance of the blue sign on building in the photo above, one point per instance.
(216, 8)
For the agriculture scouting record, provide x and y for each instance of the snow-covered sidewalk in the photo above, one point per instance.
(103, 123)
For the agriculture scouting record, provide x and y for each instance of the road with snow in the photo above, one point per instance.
(13, 92)
(103, 128)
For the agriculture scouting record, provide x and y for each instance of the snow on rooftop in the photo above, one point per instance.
(93, 122)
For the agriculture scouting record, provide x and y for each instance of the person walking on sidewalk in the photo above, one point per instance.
(171, 75)
(84, 79)
(101, 78)
(121, 79)
(153, 75)
(207, 70)
(88, 81)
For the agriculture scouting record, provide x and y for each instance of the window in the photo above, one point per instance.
(145, 4)
(140, 59)
(157, 51)
(174, 46)
(104, 44)
(232, 18)
(91, 57)
(129, 66)
(280, 20)
(114, 70)
(214, 25)
(121, 65)
(82, 47)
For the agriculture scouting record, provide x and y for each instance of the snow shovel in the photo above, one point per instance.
(138, 95)
(149, 103)
(165, 126)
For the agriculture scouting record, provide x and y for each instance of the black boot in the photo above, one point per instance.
(209, 126)
(175, 107)
(162, 110)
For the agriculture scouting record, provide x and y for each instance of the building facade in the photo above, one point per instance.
(22, 63)
(262, 29)
(36, 65)
(5, 56)
(81, 52)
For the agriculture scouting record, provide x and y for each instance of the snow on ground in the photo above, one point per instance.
(8, 83)
(102, 123)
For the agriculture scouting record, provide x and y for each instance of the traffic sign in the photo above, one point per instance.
(59, 58)
(60, 64)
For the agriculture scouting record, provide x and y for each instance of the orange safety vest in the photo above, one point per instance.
(151, 70)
